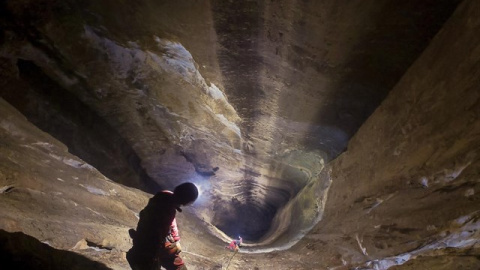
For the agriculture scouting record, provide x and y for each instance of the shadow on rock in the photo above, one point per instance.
(19, 251)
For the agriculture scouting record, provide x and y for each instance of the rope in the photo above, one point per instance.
(234, 253)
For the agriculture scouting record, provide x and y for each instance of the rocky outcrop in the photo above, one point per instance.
(58, 198)
(65, 208)
(20, 251)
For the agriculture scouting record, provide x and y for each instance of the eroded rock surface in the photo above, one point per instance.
(252, 101)
(65, 203)
(56, 197)
(407, 187)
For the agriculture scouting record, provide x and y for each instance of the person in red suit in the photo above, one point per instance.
(235, 244)
(156, 240)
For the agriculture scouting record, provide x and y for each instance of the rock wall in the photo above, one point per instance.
(59, 212)
(47, 193)
(408, 185)
(171, 90)
(125, 95)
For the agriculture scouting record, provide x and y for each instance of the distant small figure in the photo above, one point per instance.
(235, 244)
(156, 240)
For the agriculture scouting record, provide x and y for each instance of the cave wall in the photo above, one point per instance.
(114, 83)
(167, 91)
(60, 113)
(408, 185)
(51, 195)
(267, 92)
(21, 251)
(59, 212)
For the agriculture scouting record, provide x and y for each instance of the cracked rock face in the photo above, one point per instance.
(253, 101)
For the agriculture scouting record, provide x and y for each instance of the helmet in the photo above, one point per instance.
(185, 193)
